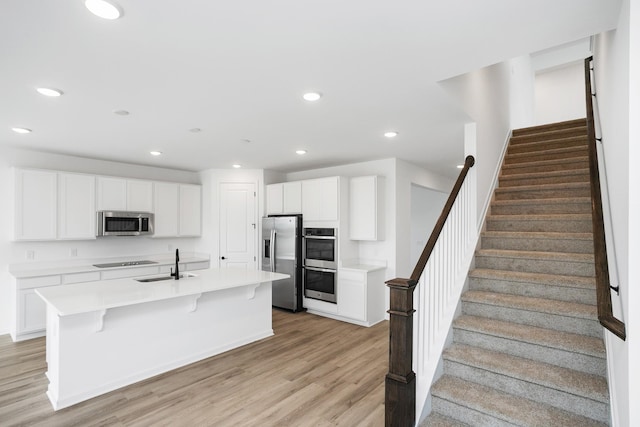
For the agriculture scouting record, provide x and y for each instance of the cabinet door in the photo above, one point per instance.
(329, 199)
(311, 200)
(190, 215)
(351, 295)
(292, 197)
(274, 199)
(366, 205)
(32, 312)
(35, 205)
(76, 206)
(111, 194)
(139, 196)
(165, 198)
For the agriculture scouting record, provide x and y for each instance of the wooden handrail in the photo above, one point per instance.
(603, 284)
(400, 385)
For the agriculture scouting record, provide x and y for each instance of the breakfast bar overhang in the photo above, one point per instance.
(105, 335)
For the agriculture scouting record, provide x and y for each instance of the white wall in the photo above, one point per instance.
(426, 206)
(617, 64)
(485, 96)
(559, 94)
(60, 251)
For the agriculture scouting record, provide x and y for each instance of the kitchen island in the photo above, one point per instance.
(108, 334)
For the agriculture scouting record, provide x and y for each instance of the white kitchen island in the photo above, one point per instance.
(108, 334)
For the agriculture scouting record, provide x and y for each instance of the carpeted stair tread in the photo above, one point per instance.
(560, 134)
(540, 305)
(547, 279)
(437, 420)
(553, 256)
(549, 338)
(551, 154)
(540, 217)
(589, 386)
(538, 129)
(506, 408)
(579, 161)
(541, 187)
(538, 241)
(554, 205)
(581, 174)
(532, 145)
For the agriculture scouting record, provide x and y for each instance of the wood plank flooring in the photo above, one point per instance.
(313, 372)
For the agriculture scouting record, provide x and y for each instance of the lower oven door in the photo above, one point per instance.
(320, 283)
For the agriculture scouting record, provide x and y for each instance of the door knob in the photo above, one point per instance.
(222, 257)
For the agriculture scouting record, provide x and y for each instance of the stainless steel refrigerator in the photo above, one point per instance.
(282, 253)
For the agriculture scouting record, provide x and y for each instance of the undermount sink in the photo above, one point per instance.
(161, 278)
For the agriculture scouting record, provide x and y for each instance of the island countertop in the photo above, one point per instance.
(79, 298)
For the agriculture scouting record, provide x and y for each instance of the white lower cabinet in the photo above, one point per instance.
(361, 295)
(29, 317)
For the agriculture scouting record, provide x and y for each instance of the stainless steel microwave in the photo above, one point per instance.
(120, 223)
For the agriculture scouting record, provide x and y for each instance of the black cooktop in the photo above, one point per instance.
(124, 264)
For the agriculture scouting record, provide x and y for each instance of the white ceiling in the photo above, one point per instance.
(237, 69)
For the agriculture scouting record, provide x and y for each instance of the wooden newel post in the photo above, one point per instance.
(400, 382)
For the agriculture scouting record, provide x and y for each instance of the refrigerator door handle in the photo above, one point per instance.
(272, 249)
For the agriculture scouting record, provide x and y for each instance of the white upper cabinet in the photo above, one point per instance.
(166, 196)
(139, 195)
(292, 197)
(112, 194)
(366, 208)
(76, 206)
(284, 198)
(119, 194)
(190, 209)
(320, 199)
(275, 196)
(35, 205)
(178, 209)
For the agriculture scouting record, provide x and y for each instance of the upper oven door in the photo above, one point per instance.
(320, 252)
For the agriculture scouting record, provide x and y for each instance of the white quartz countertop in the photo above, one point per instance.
(102, 295)
(21, 271)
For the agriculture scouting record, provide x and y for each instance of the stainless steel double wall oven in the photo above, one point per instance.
(320, 254)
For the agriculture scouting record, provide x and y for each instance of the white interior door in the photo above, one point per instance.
(238, 225)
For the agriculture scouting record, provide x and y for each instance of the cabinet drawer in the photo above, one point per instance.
(356, 276)
(130, 272)
(38, 282)
(204, 265)
(93, 276)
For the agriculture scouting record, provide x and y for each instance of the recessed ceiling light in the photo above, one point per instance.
(21, 130)
(237, 166)
(47, 91)
(103, 9)
(460, 166)
(312, 96)
(121, 112)
(155, 153)
(301, 152)
(391, 134)
(195, 130)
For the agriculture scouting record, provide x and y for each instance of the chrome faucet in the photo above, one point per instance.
(176, 274)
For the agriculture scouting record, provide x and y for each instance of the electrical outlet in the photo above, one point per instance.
(73, 252)
(31, 254)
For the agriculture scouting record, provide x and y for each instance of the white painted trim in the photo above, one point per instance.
(611, 378)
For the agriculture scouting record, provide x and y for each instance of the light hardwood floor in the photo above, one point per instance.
(313, 372)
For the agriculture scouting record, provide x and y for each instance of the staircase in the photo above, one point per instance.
(527, 349)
